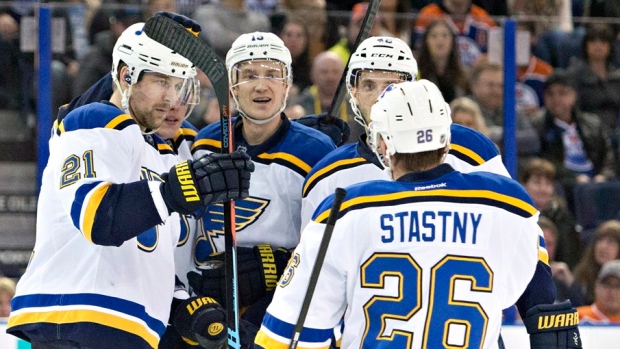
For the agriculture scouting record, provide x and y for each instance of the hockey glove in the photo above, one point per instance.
(553, 326)
(336, 128)
(190, 185)
(258, 270)
(187, 22)
(201, 321)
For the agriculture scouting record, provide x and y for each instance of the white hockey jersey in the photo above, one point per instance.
(78, 286)
(428, 261)
(470, 151)
(271, 214)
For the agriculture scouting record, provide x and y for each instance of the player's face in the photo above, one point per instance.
(439, 41)
(153, 97)
(260, 88)
(368, 86)
(541, 190)
(606, 249)
(172, 122)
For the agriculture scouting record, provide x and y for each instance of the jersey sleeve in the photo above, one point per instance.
(96, 174)
(312, 199)
(328, 302)
(521, 263)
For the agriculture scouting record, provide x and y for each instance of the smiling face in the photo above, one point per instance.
(260, 88)
(606, 248)
(540, 189)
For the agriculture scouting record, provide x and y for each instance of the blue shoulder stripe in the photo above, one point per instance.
(285, 330)
(95, 115)
(471, 146)
(340, 159)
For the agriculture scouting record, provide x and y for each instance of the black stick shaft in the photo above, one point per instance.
(367, 24)
(318, 264)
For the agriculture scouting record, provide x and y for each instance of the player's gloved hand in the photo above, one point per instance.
(201, 321)
(185, 21)
(258, 270)
(553, 326)
(190, 185)
(338, 130)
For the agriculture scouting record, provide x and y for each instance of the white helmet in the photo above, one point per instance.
(142, 53)
(411, 117)
(259, 46)
(380, 53)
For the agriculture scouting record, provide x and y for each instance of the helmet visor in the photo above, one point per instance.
(178, 91)
(370, 83)
(269, 72)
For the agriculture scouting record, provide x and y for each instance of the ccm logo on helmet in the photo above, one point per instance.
(187, 183)
(180, 65)
(382, 55)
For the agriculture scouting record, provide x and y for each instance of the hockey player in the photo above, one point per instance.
(376, 63)
(102, 270)
(259, 69)
(426, 260)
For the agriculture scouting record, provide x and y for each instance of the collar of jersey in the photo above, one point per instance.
(428, 175)
(364, 151)
(254, 150)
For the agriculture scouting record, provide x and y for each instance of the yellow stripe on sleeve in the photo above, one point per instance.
(94, 200)
(117, 120)
(287, 157)
(77, 316)
(206, 141)
(329, 168)
(470, 153)
(267, 342)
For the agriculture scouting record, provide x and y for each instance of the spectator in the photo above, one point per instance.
(223, 21)
(572, 140)
(606, 306)
(531, 76)
(98, 60)
(297, 38)
(393, 16)
(344, 47)
(466, 112)
(562, 276)
(598, 83)
(487, 88)
(470, 23)
(537, 177)
(326, 71)
(314, 10)
(7, 291)
(439, 60)
(604, 248)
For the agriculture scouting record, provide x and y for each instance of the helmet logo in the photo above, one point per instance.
(386, 55)
(180, 65)
(257, 45)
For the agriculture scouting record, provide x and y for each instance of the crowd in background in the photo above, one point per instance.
(568, 90)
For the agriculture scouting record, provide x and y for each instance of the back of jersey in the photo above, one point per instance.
(418, 264)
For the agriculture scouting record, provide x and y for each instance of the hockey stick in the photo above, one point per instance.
(174, 36)
(369, 20)
(316, 270)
